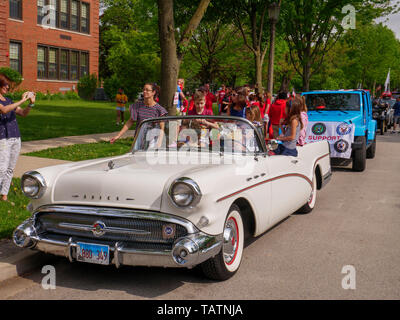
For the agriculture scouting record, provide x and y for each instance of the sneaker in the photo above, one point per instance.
(123, 122)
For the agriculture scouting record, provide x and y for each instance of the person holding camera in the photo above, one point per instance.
(10, 137)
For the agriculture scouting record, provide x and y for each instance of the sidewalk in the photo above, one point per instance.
(26, 163)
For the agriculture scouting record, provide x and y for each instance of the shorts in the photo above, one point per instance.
(121, 109)
(396, 119)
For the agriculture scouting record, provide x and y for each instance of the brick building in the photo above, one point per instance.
(52, 43)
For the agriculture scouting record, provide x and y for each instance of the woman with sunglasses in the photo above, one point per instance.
(10, 137)
(142, 110)
(238, 106)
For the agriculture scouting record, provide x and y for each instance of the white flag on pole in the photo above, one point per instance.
(387, 82)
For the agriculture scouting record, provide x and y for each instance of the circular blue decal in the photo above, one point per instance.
(343, 129)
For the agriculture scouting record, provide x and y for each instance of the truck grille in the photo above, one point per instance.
(133, 231)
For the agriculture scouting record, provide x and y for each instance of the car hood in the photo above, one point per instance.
(335, 116)
(134, 181)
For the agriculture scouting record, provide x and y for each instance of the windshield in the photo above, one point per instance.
(205, 134)
(333, 101)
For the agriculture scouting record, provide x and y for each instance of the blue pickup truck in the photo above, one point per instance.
(352, 108)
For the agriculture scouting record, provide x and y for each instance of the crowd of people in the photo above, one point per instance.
(284, 119)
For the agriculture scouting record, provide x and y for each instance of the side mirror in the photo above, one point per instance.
(272, 145)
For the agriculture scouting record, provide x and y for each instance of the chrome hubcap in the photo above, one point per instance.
(230, 245)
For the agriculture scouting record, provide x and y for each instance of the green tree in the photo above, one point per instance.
(313, 27)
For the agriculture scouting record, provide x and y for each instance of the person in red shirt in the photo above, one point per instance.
(221, 95)
(210, 98)
(277, 112)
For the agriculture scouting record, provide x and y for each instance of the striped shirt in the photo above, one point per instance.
(139, 111)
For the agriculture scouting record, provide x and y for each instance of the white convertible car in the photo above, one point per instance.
(189, 193)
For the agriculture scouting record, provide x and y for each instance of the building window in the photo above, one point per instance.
(74, 15)
(74, 65)
(16, 9)
(71, 15)
(40, 13)
(64, 75)
(64, 16)
(53, 63)
(41, 63)
(16, 56)
(61, 64)
(84, 17)
(84, 64)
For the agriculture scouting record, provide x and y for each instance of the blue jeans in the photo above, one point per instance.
(283, 151)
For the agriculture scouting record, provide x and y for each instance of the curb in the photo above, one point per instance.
(22, 263)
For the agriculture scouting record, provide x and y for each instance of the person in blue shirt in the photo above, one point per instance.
(396, 108)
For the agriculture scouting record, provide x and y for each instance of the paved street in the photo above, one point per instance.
(356, 222)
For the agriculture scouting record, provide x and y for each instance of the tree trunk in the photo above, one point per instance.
(258, 61)
(306, 76)
(169, 58)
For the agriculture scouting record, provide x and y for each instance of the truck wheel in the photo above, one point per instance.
(360, 155)
(371, 150)
(227, 262)
(309, 206)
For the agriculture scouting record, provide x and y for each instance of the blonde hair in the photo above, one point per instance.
(199, 95)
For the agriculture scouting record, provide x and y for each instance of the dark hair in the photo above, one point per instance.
(155, 88)
(282, 95)
(4, 81)
(295, 112)
(241, 100)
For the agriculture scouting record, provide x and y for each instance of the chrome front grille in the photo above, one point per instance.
(136, 231)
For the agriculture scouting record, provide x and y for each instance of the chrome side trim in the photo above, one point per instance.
(121, 213)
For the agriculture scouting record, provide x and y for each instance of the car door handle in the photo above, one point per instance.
(295, 161)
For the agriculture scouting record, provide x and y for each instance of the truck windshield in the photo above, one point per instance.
(333, 101)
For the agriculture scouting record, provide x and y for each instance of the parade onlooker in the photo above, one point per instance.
(221, 95)
(179, 96)
(142, 110)
(396, 108)
(291, 128)
(121, 100)
(226, 101)
(210, 98)
(10, 136)
(237, 108)
(277, 112)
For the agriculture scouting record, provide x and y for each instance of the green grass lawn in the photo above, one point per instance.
(60, 118)
(88, 151)
(13, 212)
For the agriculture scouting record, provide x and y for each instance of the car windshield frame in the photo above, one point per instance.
(324, 104)
(260, 140)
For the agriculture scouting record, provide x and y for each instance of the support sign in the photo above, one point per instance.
(340, 136)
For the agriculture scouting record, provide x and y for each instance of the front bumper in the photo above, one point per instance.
(188, 251)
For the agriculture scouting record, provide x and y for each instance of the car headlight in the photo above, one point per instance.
(184, 192)
(33, 184)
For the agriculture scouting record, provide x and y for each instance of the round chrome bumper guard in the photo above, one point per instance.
(22, 235)
(185, 252)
